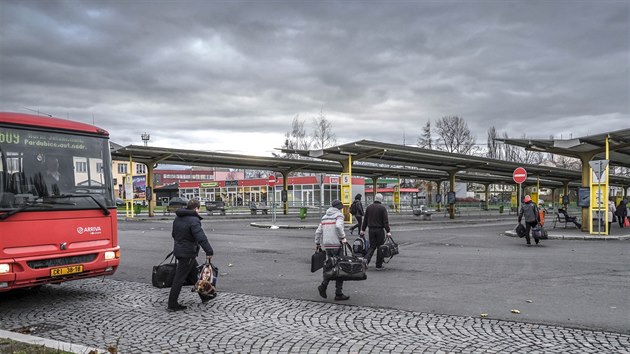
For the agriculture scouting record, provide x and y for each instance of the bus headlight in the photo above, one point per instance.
(4, 268)
(109, 255)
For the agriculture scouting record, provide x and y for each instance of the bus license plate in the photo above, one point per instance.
(55, 272)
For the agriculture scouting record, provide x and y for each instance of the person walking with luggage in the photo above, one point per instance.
(622, 212)
(356, 209)
(330, 237)
(529, 211)
(187, 237)
(611, 214)
(377, 220)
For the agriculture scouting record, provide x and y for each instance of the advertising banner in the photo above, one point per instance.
(139, 186)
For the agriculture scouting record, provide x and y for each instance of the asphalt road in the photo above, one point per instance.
(455, 269)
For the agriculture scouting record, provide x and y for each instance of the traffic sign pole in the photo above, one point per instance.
(271, 181)
(519, 176)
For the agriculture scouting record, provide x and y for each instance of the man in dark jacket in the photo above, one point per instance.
(377, 220)
(529, 211)
(357, 211)
(188, 236)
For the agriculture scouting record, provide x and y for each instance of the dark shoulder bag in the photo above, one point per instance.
(389, 249)
(345, 267)
(163, 274)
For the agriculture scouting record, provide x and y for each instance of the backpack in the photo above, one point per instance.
(358, 246)
(353, 208)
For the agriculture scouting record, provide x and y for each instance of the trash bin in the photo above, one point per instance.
(302, 213)
(501, 209)
(137, 208)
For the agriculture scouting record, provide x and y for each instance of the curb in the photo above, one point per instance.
(286, 226)
(412, 222)
(511, 233)
(49, 343)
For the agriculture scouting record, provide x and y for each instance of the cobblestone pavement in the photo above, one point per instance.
(133, 317)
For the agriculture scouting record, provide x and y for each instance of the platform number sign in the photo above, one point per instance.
(345, 179)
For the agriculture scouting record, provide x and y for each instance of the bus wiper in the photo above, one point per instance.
(100, 205)
(30, 205)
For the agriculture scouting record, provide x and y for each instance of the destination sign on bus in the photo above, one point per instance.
(57, 141)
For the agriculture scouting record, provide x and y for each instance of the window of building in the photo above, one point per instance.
(80, 166)
(122, 168)
(141, 169)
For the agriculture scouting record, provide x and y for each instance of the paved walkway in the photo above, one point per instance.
(133, 318)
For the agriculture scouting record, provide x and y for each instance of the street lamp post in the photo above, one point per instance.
(145, 138)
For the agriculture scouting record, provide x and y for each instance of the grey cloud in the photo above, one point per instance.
(376, 69)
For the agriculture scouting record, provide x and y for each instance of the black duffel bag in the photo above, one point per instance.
(520, 230)
(163, 274)
(389, 249)
(317, 260)
(345, 267)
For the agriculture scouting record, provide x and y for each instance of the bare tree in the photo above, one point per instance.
(454, 135)
(494, 151)
(296, 139)
(425, 140)
(252, 174)
(567, 162)
(323, 136)
(509, 152)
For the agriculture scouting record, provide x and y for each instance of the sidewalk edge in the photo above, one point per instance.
(49, 343)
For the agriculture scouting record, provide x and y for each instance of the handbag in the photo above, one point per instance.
(317, 260)
(537, 232)
(206, 284)
(345, 267)
(626, 222)
(520, 230)
(389, 249)
(163, 274)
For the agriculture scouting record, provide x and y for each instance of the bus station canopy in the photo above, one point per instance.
(467, 167)
(589, 146)
(370, 159)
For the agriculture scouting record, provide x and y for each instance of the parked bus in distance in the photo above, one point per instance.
(57, 210)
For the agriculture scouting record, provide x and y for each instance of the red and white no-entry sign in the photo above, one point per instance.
(519, 175)
(271, 181)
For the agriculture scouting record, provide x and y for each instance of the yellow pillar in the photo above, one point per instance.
(129, 202)
(285, 187)
(586, 175)
(439, 191)
(451, 207)
(346, 189)
(150, 167)
(487, 202)
(374, 187)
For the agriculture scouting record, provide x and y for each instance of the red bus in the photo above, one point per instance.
(57, 209)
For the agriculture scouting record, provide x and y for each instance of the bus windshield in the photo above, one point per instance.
(44, 170)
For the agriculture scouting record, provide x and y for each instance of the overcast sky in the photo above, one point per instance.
(231, 75)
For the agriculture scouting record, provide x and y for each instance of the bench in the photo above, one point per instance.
(254, 208)
(212, 207)
(564, 218)
(424, 214)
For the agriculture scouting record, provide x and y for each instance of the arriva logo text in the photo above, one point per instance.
(92, 230)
